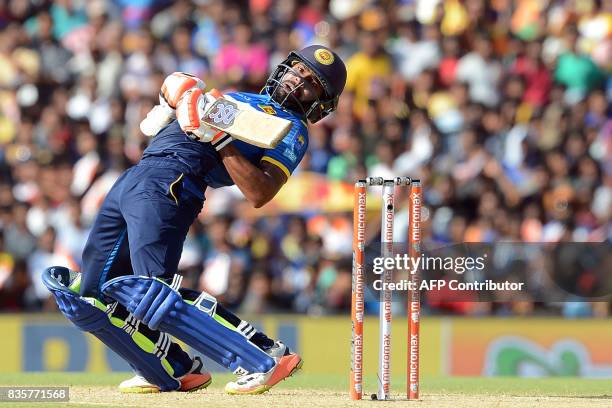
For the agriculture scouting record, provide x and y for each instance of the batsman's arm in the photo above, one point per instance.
(258, 184)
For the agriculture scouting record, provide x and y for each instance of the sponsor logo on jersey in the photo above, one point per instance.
(300, 139)
(290, 154)
(324, 56)
(267, 109)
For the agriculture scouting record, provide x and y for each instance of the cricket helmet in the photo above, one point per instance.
(329, 70)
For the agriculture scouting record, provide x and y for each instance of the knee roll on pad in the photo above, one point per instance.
(90, 315)
(156, 304)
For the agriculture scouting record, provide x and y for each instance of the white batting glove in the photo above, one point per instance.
(176, 84)
(190, 109)
(172, 90)
(157, 118)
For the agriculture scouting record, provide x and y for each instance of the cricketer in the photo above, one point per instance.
(128, 294)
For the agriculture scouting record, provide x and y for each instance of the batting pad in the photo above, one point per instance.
(90, 315)
(159, 306)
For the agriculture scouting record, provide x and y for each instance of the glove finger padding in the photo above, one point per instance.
(175, 85)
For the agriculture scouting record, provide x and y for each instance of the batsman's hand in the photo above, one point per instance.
(191, 108)
(174, 87)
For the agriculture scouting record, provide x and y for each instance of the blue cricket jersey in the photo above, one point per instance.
(203, 162)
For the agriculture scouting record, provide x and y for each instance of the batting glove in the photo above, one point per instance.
(191, 108)
(175, 85)
(173, 88)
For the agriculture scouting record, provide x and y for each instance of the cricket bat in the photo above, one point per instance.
(245, 123)
(236, 118)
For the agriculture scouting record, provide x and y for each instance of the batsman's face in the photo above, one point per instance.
(302, 82)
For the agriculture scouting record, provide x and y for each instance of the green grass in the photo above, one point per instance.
(429, 385)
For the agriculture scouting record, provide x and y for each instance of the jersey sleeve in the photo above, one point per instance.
(290, 151)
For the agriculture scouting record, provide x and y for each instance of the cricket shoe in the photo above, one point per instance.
(287, 363)
(196, 379)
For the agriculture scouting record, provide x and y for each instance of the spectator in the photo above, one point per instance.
(538, 81)
(414, 56)
(575, 70)
(45, 255)
(241, 61)
(367, 70)
(19, 240)
(481, 71)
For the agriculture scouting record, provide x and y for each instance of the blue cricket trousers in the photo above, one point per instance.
(142, 224)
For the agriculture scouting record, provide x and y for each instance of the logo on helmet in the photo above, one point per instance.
(324, 56)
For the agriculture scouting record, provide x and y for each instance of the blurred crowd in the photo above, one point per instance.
(501, 107)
